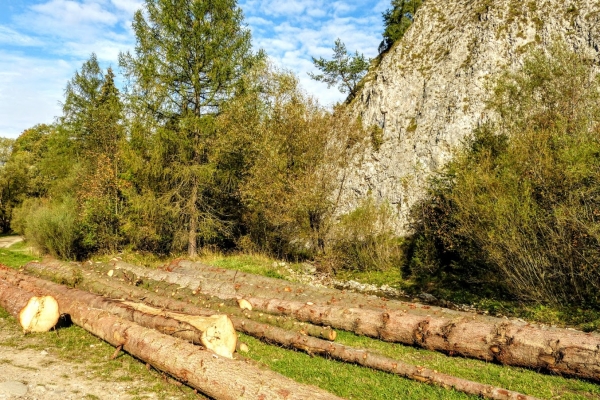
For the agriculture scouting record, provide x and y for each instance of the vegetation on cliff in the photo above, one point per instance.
(518, 210)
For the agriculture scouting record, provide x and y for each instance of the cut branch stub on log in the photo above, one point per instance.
(203, 370)
(35, 313)
(300, 342)
(559, 351)
(218, 333)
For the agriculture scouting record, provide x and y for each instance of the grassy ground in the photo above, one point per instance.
(17, 255)
(345, 380)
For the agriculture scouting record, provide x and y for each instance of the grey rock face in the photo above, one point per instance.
(430, 90)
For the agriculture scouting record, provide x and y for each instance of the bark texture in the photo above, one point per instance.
(212, 332)
(72, 274)
(311, 345)
(509, 342)
(203, 370)
(35, 313)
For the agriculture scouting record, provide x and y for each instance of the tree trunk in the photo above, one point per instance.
(71, 273)
(301, 342)
(35, 314)
(193, 228)
(215, 333)
(210, 374)
(218, 333)
(225, 283)
(509, 342)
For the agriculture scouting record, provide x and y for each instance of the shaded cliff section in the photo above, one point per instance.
(429, 92)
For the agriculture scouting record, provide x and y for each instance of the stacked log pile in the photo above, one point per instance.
(509, 342)
(301, 317)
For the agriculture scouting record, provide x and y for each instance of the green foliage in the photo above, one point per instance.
(364, 240)
(20, 171)
(344, 70)
(289, 149)
(519, 208)
(51, 227)
(376, 136)
(189, 61)
(397, 20)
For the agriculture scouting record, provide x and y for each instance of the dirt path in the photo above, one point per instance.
(30, 370)
(8, 241)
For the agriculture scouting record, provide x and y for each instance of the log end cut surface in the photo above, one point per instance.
(40, 314)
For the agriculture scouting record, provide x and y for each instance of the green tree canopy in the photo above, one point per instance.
(189, 61)
(397, 20)
(344, 70)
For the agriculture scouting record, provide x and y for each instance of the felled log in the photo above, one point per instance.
(71, 273)
(34, 313)
(217, 377)
(215, 333)
(508, 342)
(311, 345)
(218, 333)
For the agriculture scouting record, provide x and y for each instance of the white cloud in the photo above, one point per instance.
(309, 28)
(65, 18)
(30, 91)
(13, 38)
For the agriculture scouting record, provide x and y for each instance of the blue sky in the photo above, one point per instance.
(43, 43)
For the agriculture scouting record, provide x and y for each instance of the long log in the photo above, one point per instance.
(509, 342)
(218, 377)
(229, 284)
(71, 273)
(215, 333)
(301, 342)
(34, 313)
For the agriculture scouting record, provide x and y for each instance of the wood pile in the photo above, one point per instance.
(194, 338)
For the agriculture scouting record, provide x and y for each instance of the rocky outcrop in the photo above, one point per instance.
(429, 91)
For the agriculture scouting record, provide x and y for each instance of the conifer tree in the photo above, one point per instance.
(345, 70)
(397, 20)
(189, 60)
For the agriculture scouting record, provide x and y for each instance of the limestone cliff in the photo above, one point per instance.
(429, 91)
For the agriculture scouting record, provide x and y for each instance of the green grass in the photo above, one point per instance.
(16, 255)
(250, 263)
(345, 380)
(355, 382)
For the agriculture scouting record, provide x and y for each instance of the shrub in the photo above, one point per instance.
(364, 240)
(519, 208)
(51, 227)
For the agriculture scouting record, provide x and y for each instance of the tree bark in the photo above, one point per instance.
(235, 284)
(71, 273)
(35, 314)
(215, 333)
(210, 374)
(193, 228)
(508, 342)
(304, 343)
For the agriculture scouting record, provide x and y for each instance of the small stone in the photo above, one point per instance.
(44, 353)
(13, 388)
(427, 297)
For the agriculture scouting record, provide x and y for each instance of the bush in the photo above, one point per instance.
(51, 227)
(519, 209)
(364, 240)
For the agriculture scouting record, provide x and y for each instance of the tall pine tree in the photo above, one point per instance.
(189, 60)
